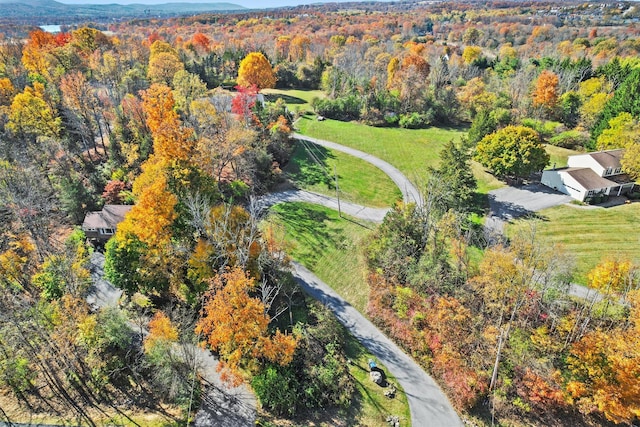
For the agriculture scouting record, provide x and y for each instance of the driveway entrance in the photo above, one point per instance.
(513, 202)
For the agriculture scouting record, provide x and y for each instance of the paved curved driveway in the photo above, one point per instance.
(409, 192)
(356, 211)
(428, 404)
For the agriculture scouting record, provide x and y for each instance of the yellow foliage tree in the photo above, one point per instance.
(7, 90)
(614, 277)
(255, 69)
(31, 114)
(471, 53)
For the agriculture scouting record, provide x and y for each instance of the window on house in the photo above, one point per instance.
(107, 231)
(608, 172)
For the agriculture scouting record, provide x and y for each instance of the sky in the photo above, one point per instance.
(251, 4)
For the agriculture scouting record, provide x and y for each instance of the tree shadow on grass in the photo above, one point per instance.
(309, 226)
(288, 99)
(309, 166)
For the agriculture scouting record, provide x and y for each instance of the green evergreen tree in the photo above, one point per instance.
(626, 99)
(455, 171)
(483, 124)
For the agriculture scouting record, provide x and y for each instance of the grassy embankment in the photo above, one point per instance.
(331, 246)
(312, 168)
(589, 234)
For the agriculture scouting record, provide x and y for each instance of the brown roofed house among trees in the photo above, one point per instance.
(101, 225)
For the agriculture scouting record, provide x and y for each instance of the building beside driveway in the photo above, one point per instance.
(101, 225)
(590, 175)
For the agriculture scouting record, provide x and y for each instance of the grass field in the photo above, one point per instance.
(559, 155)
(411, 151)
(312, 168)
(589, 234)
(328, 245)
(297, 100)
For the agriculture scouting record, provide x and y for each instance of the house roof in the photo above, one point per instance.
(109, 217)
(608, 159)
(588, 179)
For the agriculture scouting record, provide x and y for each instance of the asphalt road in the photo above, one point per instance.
(428, 404)
(409, 192)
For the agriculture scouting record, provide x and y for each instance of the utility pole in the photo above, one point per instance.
(335, 176)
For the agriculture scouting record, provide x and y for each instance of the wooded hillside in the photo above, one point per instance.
(166, 115)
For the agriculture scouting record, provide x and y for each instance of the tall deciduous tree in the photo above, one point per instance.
(30, 114)
(171, 140)
(255, 69)
(512, 151)
(625, 99)
(235, 326)
(545, 94)
(164, 63)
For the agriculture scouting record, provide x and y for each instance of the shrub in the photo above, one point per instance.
(546, 129)
(570, 139)
(318, 376)
(345, 108)
(373, 117)
(277, 388)
(416, 120)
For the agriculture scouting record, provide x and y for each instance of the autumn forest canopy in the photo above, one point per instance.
(170, 116)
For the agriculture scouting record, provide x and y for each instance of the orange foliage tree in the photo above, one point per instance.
(171, 141)
(235, 325)
(161, 333)
(605, 368)
(545, 93)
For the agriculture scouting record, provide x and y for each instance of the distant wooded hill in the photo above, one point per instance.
(48, 11)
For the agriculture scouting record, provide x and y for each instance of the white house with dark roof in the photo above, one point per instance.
(590, 175)
(101, 225)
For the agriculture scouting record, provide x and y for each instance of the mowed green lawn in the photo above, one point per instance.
(558, 156)
(328, 245)
(589, 235)
(374, 405)
(312, 168)
(297, 100)
(410, 150)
